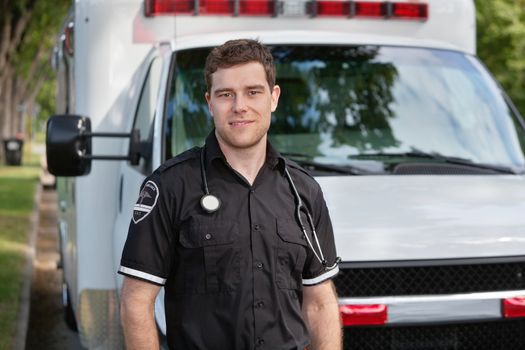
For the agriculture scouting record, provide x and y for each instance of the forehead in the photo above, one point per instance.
(238, 76)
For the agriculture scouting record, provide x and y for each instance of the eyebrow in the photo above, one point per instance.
(254, 87)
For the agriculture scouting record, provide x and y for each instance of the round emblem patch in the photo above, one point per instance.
(146, 202)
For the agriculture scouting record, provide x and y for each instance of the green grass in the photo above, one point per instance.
(17, 188)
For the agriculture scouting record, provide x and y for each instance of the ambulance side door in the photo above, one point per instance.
(146, 111)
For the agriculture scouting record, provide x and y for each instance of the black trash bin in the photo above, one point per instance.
(13, 151)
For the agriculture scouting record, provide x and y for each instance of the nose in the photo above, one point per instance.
(239, 104)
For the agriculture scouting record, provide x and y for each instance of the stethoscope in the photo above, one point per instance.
(211, 204)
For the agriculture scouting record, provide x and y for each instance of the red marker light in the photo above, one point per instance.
(513, 307)
(355, 315)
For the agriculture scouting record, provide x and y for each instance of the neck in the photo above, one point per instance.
(246, 161)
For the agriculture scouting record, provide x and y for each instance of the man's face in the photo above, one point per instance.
(241, 103)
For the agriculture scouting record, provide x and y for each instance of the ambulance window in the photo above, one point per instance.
(145, 115)
(188, 121)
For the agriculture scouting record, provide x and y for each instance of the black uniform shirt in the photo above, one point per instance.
(233, 279)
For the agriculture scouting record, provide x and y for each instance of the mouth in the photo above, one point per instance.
(240, 123)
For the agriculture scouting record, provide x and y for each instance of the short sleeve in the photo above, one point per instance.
(147, 251)
(314, 272)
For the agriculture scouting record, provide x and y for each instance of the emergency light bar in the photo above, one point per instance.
(313, 8)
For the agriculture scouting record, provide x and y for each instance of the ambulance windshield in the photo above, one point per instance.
(343, 105)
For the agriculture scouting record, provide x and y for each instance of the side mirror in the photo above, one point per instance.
(67, 144)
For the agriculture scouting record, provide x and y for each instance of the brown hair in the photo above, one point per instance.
(234, 52)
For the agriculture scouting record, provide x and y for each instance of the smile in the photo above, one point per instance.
(240, 123)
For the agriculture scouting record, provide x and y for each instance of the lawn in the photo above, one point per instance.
(17, 189)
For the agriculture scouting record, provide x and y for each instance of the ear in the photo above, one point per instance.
(276, 92)
(208, 101)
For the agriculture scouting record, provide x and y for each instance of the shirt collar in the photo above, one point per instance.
(213, 151)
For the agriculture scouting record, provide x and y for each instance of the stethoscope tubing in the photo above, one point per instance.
(299, 207)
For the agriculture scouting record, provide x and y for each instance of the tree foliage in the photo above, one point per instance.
(28, 29)
(501, 44)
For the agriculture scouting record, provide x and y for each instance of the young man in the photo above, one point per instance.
(237, 269)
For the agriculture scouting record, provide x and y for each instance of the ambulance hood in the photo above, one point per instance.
(382, 218)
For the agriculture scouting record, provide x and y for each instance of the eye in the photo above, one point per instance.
(254, 92)
(225, 94)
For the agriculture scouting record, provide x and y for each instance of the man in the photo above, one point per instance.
(222, 235)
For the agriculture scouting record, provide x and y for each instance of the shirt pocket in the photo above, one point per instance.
(291, 252)
(209, 259)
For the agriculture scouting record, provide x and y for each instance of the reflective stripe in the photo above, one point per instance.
(321, 278)
(143, 208)
(143, 275)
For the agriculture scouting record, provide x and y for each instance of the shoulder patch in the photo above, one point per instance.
(180, 158)
(147, 200)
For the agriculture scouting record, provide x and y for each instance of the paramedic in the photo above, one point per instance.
(218, 227)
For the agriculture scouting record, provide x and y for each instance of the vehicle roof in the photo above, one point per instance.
(310, 38)
(450, 25)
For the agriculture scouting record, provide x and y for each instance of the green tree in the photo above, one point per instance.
(501, 44)
(28, 29)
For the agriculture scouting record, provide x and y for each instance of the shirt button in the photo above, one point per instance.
(256, 227)
(208, 236)
(259, 265)
(260, 341)
(259, 304)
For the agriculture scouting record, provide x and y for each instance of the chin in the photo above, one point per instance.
(241, 142)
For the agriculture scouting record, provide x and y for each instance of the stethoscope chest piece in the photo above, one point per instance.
(210, 203)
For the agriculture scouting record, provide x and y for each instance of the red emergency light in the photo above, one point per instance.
(513, 307)
(370, 9)
(360, 315)
(216, 7)
(257, 7)
(209, 7)
(330, 8)
(168, 7)
(417, 11)
(319, 8)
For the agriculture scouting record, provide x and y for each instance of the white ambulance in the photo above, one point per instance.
(419, 152)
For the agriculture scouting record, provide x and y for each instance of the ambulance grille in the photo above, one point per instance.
(499, 335)
(427, 280)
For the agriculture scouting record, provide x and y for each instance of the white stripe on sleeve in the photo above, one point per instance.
(143, 275)
(321, 278)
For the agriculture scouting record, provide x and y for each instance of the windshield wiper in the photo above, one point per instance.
(302, 159)
(415, 153)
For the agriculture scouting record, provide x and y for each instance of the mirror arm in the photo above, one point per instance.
(134, 153)
(106, 134)
(88, 157)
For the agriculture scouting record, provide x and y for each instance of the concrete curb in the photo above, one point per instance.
(24, 305)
